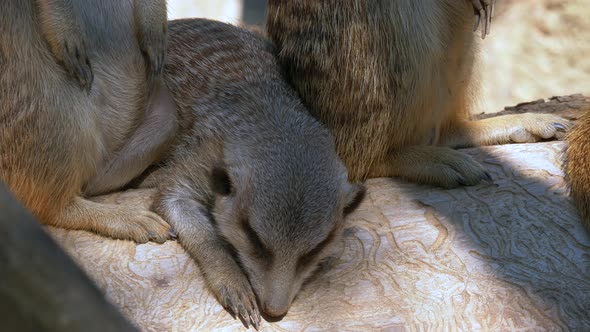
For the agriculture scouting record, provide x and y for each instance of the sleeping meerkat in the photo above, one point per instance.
(77, 115)
(253, 185)
(394, 81)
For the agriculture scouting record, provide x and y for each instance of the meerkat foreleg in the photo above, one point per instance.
(66, 39)
(148, 143)
(197, 234)
(151, 28)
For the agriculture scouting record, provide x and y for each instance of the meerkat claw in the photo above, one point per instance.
(255, 320)
(254, 314)
(483, 9)
(172, 234)
(477, 20)
(559, 127)
(77, 64)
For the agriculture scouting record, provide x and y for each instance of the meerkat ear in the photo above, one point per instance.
(220, 181)
(354, 198)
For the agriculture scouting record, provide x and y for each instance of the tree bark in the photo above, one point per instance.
(569, 107)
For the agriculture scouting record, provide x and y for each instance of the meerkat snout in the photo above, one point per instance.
(276, 297)
(279, 236)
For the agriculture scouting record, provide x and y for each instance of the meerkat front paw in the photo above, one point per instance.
(151, 26)
(241, 303)
(453, 170)
(483, 9)
(439, 166)
(62, 31)
(235, 294)
(70, 51)
(76, 62)
(152, 42)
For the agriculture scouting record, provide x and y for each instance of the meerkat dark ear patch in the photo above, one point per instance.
(354, 198)
(220, 181)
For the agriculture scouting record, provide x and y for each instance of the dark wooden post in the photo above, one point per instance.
(41, 287)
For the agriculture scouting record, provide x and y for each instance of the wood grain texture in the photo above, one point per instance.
(570, 107)
(511, 255)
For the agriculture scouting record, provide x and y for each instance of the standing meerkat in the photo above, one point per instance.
(253, 185)
(577, 166)
(77, 115)
(395, 81)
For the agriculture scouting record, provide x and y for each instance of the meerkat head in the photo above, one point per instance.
(281, 218)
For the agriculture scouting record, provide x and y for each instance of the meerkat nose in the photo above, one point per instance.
(276, 305)
(276, 299)
(274, 310)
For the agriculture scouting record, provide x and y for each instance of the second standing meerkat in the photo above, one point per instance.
(395, 82)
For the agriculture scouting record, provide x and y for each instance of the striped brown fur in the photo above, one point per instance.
(577, 166)
(395, 82)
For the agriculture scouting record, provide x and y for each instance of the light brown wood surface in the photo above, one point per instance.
(506, 256)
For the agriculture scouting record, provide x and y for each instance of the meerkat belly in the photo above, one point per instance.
(134, 136)
(133, 119)
(426, 60)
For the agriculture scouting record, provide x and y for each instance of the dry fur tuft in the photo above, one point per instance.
(577, 166)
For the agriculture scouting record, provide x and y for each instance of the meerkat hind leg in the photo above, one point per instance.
(145, 147)
(513, 128)
(119, 222)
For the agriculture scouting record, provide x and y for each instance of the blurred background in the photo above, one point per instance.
(230, 11)
(536, 49)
